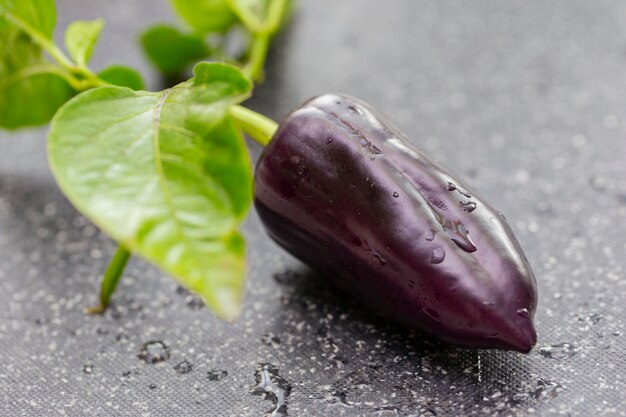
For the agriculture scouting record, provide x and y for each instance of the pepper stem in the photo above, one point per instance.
(257, 126)
(111, 279)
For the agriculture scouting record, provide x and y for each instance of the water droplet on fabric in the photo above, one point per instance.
(547, 389)
(152, 386)
(183, 367)
(388, 411)
(592, 318)
(216, 375)
(558, 351)
(337, 398)
(270, 385)
(395, 194)
(88, 369)
(154, 351)
(287, 277)
(523, 312)
(271, 340)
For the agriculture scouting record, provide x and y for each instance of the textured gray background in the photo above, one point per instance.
(527, 99)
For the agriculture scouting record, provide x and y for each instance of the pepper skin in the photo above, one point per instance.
(344, 191)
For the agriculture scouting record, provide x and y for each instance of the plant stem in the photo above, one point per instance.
(262, 34)
(43, 68)
(258, 53)
(257, 126)
(111, 279)
(244, 14)
(41, 40)
(275, 12)
(91, 80)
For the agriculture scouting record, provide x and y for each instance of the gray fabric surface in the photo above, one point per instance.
(527, 99)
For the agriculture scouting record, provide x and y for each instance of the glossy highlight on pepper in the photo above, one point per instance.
(343, 190)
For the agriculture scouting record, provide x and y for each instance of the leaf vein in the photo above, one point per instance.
(160, 171)
(180, 129)
(113, 123)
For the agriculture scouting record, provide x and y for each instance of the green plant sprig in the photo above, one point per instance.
(166, 174)
(172, 50)
(33, 87)
(262, 35)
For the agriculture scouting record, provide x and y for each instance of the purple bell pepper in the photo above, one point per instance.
(344, 191)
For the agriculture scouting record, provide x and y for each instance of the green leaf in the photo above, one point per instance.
(166, 174)
(122, 76)
(172, 51)
(81, 37)
(30, 97)
(40, 15)
(206, 16)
